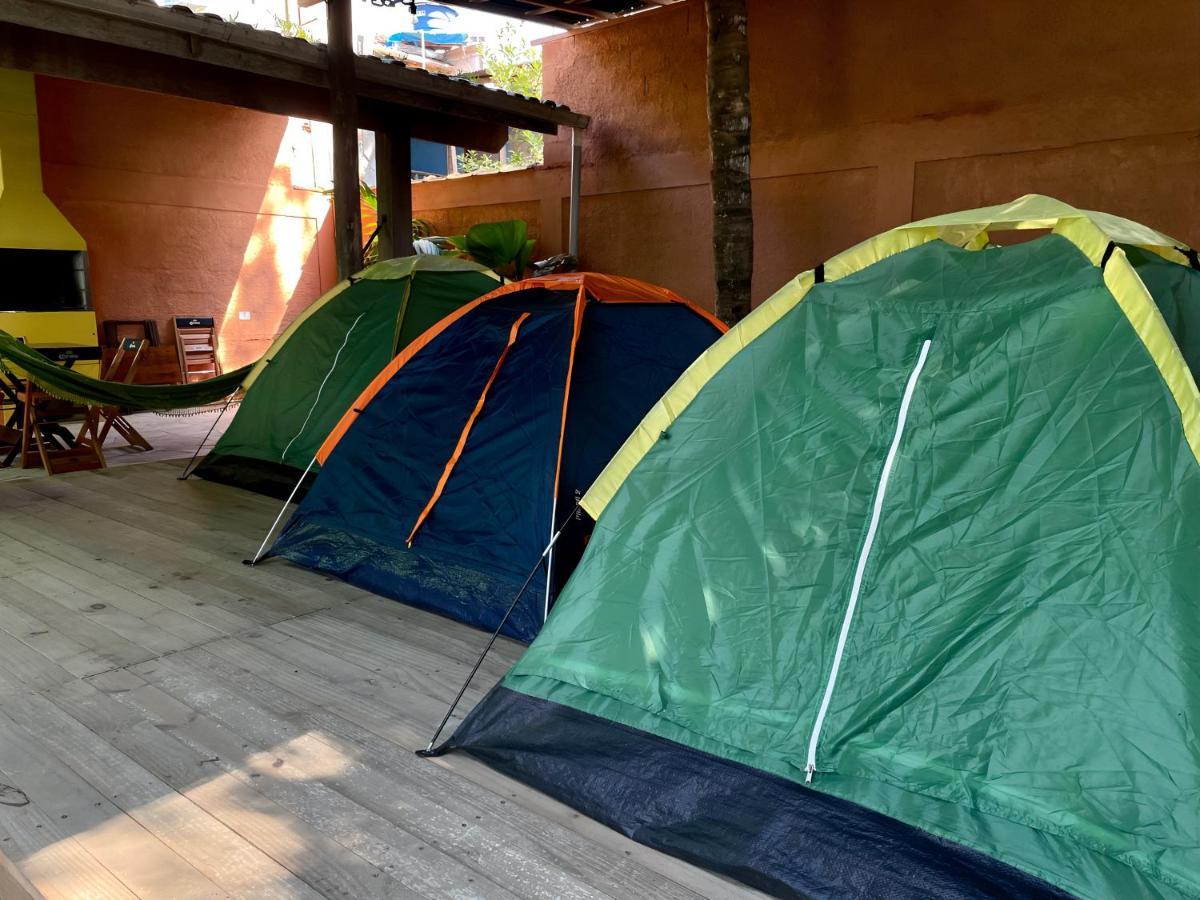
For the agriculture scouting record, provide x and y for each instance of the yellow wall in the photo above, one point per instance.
(28, 220)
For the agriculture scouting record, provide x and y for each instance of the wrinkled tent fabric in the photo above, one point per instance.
(301, 387)
(58, 381)
(458, 446)
(923, 529)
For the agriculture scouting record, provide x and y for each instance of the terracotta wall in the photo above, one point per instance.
(865, 115)
(187, 209)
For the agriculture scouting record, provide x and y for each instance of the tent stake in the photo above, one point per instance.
(282, 510)
(429, 751)
(187, 470)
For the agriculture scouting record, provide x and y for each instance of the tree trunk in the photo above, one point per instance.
(729, 140)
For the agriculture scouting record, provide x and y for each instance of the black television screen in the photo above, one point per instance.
(42, 280)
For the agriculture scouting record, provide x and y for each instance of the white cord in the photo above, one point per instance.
(262, 546)
(317, 399)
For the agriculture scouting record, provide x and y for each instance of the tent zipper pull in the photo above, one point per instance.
(808, 773)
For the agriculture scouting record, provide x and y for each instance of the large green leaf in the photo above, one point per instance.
(498, 244)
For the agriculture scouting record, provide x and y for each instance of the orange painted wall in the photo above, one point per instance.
(187, 209)
(865, 115)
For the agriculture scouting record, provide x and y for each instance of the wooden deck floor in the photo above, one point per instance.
(173, 437)
(184, 726)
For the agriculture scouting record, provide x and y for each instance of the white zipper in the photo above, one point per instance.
(864, 554)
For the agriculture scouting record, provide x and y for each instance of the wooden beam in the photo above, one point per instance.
(393, 168)
(246, 53)
(343, 101)
(64, 56)
(541, 7)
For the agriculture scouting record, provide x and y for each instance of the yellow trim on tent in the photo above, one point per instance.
(1090, 231)
(386, 270)
(685, 389)
(1143, 314)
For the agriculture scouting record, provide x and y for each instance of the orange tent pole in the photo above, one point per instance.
(462, 438)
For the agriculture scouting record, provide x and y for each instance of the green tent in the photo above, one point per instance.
(897, 590)
(301, 387)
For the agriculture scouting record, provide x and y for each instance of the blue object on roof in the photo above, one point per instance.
(429, 19)
(429, 158)
(431, 37)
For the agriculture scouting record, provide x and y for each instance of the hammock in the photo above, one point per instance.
(23, 361)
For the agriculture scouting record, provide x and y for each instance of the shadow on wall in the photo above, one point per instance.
(188, 209)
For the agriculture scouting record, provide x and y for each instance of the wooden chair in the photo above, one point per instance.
(102, 419)
(41, 411)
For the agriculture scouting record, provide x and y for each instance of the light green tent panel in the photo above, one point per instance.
(314, 371)
(926, 541)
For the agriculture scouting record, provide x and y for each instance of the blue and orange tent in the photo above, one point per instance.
(445, 480)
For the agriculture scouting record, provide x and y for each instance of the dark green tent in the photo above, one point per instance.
(896, 592)
(301, 387)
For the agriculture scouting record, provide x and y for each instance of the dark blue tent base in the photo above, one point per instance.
(765, 831)
(271, 479)
(433, 581)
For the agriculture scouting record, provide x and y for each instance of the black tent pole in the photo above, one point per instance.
(429, 751)
(187, 470)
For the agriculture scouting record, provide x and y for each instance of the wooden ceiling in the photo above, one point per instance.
(564, 13)
(135, 43)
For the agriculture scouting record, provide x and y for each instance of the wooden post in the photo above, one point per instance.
(393, 168)
(729, 138)
(344, 107)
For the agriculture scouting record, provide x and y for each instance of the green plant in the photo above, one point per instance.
(514, 66)
(420, 227)
(288, 28)
(504, 247)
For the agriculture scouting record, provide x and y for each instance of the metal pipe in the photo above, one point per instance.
(576, 186)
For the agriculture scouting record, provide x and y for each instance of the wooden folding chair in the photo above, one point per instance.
(102, 419)
(40, 411)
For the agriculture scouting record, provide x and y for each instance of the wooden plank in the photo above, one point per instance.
(148, 575)
(217, 851)
(114, 841)
(394, 783)
(603, 859)
(184, 625)
(13, 883)
(190, 560)
(27, 666)
(427, 630)
(73, 597)
(404, 702)
(316, 859)
(296, 771)
(211, 541)
(53, 861)
(374, 658)
(221, 610)
(24, 615)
